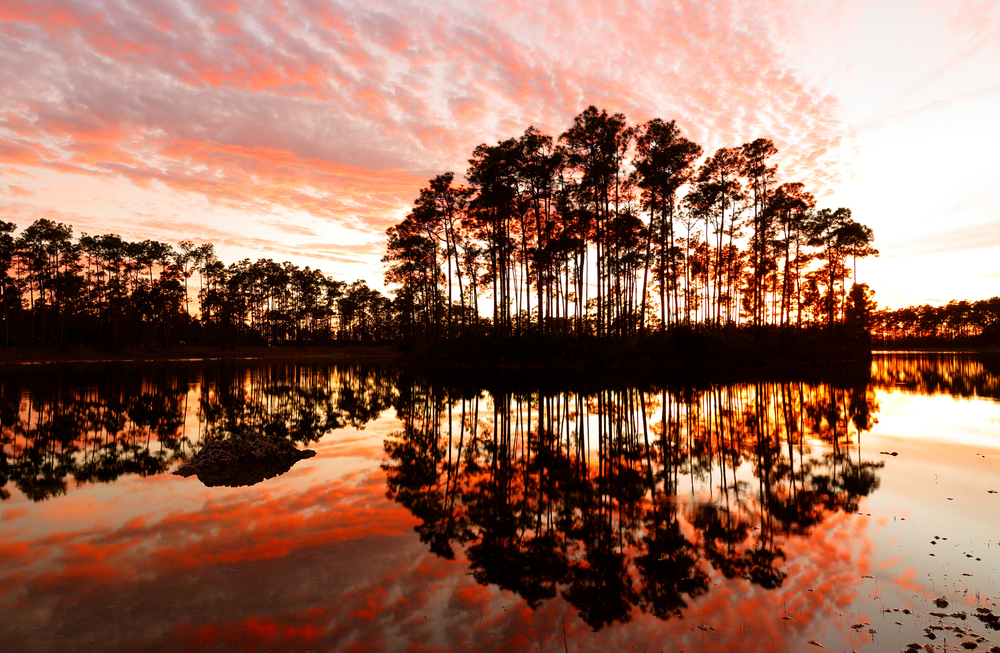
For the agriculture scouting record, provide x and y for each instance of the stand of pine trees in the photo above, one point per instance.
(61, 291)
(955, 323)
(616, 230)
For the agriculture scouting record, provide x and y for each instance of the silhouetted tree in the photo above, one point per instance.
(545, 223)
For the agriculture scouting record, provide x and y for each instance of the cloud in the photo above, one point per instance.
(332, 256)
(341, 111)
(19, 191)
(966, 238)
(943, 103)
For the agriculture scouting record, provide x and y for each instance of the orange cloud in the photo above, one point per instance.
(342, 111)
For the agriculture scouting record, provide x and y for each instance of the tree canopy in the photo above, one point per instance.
(57, 290)
(614, 229)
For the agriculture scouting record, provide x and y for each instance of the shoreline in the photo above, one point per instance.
(993, 350)
(87, 355)
(462, 360)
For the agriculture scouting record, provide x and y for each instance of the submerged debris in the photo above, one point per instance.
(243, 459)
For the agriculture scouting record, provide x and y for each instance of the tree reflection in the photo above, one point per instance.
(617, 499)
(92, 424)
(963, 375)
(627, 498)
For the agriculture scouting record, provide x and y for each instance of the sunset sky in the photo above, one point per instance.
(301, 129)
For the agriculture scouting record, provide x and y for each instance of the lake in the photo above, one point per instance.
(852, 511)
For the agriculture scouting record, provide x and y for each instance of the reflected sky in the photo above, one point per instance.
(327, 556)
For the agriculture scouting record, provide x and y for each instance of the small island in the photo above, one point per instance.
(609, 245)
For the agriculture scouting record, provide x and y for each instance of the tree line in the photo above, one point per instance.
(961, 321)
(614, 229)
(57, 290)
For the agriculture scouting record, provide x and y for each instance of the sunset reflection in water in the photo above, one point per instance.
(754, 516)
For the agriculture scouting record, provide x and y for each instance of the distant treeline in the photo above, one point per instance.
(57, 290)
(613, 230)
(956, 321)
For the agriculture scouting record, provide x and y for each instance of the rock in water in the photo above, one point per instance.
(243, 459)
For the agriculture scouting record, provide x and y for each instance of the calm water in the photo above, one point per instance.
(502, 515)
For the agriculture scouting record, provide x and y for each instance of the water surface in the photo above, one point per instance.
(579, 514)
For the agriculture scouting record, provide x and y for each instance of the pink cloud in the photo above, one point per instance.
(19, 191)
(342, 111)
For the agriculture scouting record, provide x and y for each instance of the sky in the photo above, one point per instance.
(301, 129)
